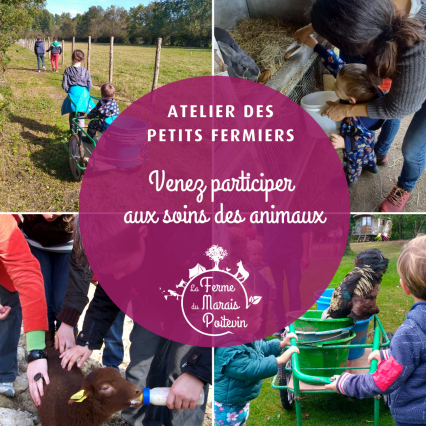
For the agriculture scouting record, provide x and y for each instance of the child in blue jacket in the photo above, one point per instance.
(401, 372)
(238, 374)
(356, 133)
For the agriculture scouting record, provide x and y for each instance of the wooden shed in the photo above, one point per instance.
(370, 225)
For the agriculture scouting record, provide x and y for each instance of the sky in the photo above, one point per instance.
(80, 6)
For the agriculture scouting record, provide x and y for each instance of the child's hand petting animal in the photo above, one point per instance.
(4, 312)
(285, 356)
(287, 341)
(337, 141)
(374, 355)
(72, 355)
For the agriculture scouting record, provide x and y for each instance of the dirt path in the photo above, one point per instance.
(34, 166)
(370, 191)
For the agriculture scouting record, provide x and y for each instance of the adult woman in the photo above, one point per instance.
(50, 239)
(395, 42)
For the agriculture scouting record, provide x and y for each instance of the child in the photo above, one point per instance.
(260, 280)
(56, 49)
(238, 374)
(356, 133)
(39, 50)
(106, 110)
(401, 373)
(77, 83)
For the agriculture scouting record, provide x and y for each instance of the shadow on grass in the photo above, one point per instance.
(53, 158)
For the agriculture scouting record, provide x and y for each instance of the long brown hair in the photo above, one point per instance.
(370, 27)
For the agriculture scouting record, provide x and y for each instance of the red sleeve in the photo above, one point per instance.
(22, 270)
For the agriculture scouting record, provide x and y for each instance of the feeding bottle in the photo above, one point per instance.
(158, 396)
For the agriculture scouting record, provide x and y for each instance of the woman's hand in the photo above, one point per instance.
(337, 141)
(36, 387)
(4, 312)
(72, 355)
(64, 338)
(286, 341)
(302, 35)
(184, 392)
(336, 111)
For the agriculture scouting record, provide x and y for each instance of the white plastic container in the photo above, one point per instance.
(158, 396)
(314, 104)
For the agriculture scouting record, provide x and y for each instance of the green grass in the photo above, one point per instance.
(34, 166)
(333, 409)
(133, 68)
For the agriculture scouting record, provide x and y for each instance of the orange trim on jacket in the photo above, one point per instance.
(20, 271)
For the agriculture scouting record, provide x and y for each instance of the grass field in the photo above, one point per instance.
(34, 166)
(333, 409)
(134, 66)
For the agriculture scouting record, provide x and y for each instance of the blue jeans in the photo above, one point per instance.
(40, 57)
(414, 150)
(403, 424)
(114, 350)
(10, 330)
(386, 137)
(54, 268)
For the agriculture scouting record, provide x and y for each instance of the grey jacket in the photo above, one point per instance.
(408, 91)
(39, 48)
(76, 76)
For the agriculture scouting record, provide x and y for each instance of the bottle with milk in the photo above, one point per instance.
(158, 396)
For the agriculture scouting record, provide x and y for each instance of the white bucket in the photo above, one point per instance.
(314, 104)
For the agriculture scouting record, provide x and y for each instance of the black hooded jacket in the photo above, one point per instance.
(39, 48)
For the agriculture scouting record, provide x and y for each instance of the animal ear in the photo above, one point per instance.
(80, 396)
(227, 50)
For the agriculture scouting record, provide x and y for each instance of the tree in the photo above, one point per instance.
(216, 253)
(15, 16)
(116, 19)
(68, 28)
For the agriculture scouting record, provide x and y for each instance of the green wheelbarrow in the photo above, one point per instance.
(308, 372)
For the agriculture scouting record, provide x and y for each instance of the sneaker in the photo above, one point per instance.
(382, 161)
(7, 389)
(53, 69)
(38, 70)
(44, 67)
(56, 70)
(396, 200)
(372, 169)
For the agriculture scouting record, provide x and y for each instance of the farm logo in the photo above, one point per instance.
(214, 301)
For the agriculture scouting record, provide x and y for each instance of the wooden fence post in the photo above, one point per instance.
(111, 58)
(48, 40)
(63, 52)
(157, 63)
(89, 45)
(73, 45)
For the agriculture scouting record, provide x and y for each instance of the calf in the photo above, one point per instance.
(101, 393)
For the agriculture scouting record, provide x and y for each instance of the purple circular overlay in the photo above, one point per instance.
(212, 210)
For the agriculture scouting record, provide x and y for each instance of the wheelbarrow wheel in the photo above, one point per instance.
(75, 158)
(287, 397)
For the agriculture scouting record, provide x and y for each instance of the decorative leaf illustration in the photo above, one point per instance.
(256, 299)
(251, 299)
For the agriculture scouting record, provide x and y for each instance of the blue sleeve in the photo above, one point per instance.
(356, 139)
(94, 112)
(330, 60)
(399, 363)
(271, 347)
(242, 367)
